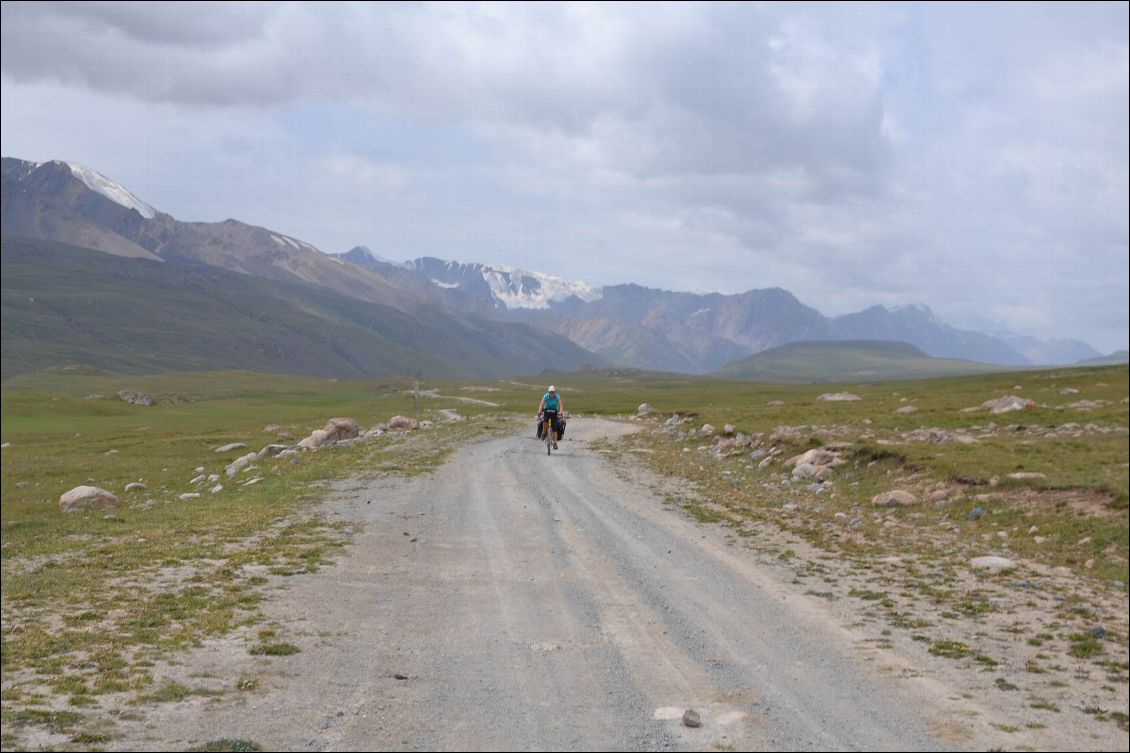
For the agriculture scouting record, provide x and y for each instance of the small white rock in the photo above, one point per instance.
(992, 564)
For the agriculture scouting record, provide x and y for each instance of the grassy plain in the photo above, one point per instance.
(91, 601)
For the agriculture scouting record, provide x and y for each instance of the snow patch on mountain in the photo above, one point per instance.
(916, 311)
(100, 184)
(521, 289)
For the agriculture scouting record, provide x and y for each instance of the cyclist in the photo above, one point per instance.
(551, 407)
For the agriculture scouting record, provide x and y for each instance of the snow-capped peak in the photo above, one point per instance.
(521, 289)
(99, 183)
(507, 287)
(916, 310)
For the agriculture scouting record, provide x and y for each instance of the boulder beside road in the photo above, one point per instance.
(86, 498)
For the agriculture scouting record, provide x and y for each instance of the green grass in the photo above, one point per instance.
(1082, 496)
(274, 649)
(92, 600)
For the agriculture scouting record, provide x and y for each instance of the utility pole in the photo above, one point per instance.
(416, 390)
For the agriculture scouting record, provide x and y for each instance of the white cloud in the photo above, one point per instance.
(973, 157)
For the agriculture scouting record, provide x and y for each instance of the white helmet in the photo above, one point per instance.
(552, 388)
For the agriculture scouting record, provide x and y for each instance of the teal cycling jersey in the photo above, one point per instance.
(551, 401)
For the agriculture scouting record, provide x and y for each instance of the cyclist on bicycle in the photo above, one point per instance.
(551, 407)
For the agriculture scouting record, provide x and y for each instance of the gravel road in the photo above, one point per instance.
(517, 602)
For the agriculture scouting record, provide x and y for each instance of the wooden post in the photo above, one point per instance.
(416, 389)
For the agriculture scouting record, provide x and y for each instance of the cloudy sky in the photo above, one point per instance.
(972, 157)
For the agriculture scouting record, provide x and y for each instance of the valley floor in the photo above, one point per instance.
(512, 601)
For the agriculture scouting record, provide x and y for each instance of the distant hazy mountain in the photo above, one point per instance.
(63, 304)
(1115, 358)
(847, 361)
(629, 325)
(657, 329)
(1050, 352)
(919, 326)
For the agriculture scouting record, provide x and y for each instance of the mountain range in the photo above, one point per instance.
(543, 321)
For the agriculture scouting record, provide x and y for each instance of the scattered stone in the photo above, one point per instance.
(1089, 564)
(197, 480)
(818, 456)
(1085, 541)
(643, 410)
(230, 447)
(402, 422)
(1026, 474)
(992, 563)
(1008, 403)
(975, 513)
(272, 449)
(213, 478)
(271, 427)
(1033, 530)
(775, 403)
(894, 498)
(189, 495)
(1099, 632)
(906, 409)
(728, 429)
(691, 718)
(1086, 404)
(706, 430)
(135, 486)
(806, 470)
(216, 489)
(239, 463)
(1039, 539)
(1069, 391)
(5, 446)
(425, 425)
(86, 498)
(765, 462)
(136, 398)
(838, 396)
(757, 454)
(317, 438)
(255, 480)
(198, 469)
(338, 429)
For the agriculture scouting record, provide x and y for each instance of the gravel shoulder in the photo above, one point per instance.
(513, 601)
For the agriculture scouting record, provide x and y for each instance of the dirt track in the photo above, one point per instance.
(518, 602)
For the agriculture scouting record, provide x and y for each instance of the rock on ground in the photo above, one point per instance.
(86, 498)
(894, 498)
(137, 398)
(838, 396)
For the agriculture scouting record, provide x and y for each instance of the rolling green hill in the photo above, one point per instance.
(63, 304)
(847, 361)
